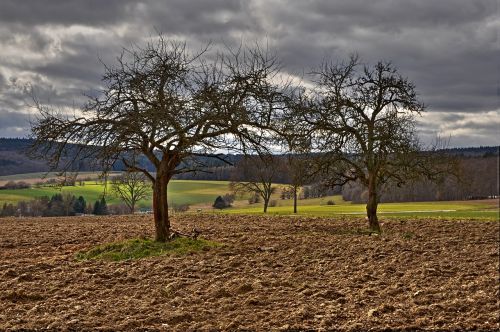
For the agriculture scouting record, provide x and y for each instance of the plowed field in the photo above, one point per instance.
(271, 273)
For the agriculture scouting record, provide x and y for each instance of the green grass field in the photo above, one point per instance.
(202, 194)
(318, 207)
(179, 191)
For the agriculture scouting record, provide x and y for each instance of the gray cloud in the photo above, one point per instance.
(449, 48)
(13, 124)
(13, 119)
(2, 82)
(66, 12)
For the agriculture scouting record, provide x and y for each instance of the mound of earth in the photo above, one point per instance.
(271, 273)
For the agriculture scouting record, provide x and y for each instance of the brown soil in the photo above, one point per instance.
(272, 273)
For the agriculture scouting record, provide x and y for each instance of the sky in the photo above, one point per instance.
(448, 48)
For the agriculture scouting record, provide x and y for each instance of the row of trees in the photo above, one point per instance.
(57, 205)
(162, 102)
(258, 175)
(478, 178)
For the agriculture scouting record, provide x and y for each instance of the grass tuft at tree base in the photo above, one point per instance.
(140, 248)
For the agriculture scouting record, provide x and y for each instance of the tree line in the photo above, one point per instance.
(58, 205)
(474, 177)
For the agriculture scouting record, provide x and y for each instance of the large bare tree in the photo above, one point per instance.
(360, 123)
(167, 104)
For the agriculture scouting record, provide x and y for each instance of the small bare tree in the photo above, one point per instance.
(168, 105)
(67, 202)
(298, 167)
(131, 187)
(255, 174)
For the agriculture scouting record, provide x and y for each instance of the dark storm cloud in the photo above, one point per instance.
(395, 15)
(66, 12)
(202, 18)
(449, 48)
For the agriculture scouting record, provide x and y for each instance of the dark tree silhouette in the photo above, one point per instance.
(168, 105)
(80, 205)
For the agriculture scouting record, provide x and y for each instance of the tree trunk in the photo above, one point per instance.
(160, 207)
(371, 207)
(266, 203)
(294, 199)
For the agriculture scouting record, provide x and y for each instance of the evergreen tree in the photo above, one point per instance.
(219, 203)
(55, 206)
(79, 205)
(104, 206)
(97, 208)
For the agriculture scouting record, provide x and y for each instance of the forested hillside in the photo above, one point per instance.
(14, 160)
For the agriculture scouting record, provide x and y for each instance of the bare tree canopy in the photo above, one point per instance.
(167, 104)
(359, 122)
(255, 174)
(131, 187)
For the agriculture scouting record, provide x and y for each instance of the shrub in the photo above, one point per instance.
(330, 202)
(255, 198)
(286, 193)
(229, 199)
(8, 210)
(16, 185)
(118, 209)
(51, 182)
(179, 207)
(220, 203)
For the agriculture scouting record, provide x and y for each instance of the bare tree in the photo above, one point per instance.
(131, 187)
(255, 174)
(298, 168)
(164, 103)
(360, 122)
(68, 200)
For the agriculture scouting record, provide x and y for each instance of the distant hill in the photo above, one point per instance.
(13, 160)
(482, 151)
